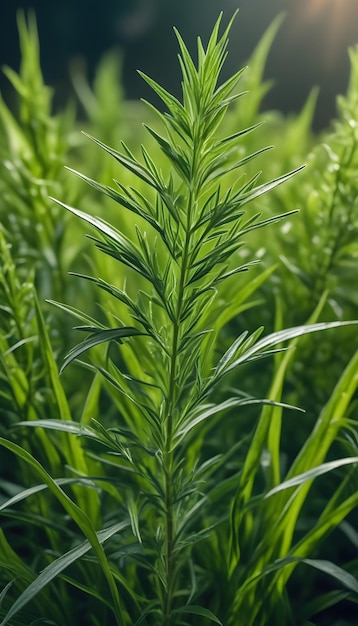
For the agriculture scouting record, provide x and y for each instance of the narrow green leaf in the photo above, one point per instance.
(281, 336)
(124, 199)
(202, 413)
(237, 135)
(174, 106)
(77, 515)
(56, 567)
(311, 474)
(4, 591)
(91, 321)
(324, 566)
(197, 610)
(128, 161)
(327, 567)
(266, 187)
(97, 222)
(27, 493)
(102, 336)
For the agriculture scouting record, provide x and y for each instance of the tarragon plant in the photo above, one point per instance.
(174, 504)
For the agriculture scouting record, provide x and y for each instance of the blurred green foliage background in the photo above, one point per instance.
(310, 48)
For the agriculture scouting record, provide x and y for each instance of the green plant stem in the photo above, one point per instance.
(169, 452)
(169, 465)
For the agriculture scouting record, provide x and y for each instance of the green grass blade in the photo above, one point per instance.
(198, 610)
(77, 515)
(311, 474)
(59, 565)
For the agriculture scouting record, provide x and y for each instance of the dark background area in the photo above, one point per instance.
(310, 48)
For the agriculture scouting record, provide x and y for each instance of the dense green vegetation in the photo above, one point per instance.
(195, 460)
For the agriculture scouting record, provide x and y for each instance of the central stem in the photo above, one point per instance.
(169, 460)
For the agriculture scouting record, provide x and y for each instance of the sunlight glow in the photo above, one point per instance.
(331, 17)
(316, 7)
